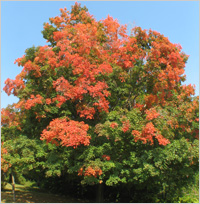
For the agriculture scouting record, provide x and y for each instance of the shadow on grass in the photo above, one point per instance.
(34, 195)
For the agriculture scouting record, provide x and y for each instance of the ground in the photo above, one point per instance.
(33, 195)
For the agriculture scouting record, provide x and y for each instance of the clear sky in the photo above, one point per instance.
(22, 23)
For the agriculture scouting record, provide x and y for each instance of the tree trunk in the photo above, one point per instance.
(99, 193)
(13, 186)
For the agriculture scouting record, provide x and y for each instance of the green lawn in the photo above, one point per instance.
(34, 195)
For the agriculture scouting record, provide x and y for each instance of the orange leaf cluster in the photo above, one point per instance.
(33, 101)
(113, 125)
(60, 99)
(106, 157)
(90, 171)
(9, 118)
(13, 86)
(125, 126)
(148, 132)
(85, 111)
(4, 164)
(139, 106)
(70, 133)
(48, 101)
(151, 114)
(30, 66)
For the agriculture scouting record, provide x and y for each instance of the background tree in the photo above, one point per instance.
(110, 105)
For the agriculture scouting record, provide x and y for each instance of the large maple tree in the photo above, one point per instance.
(113, 103)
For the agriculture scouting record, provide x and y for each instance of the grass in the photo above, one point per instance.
(33, 195)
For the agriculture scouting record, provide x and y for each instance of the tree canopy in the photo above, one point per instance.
(103, 105)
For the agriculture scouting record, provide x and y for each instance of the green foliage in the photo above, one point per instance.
(24, 154)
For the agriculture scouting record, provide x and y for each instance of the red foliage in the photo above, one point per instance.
(125, 126)
(196, 133)
(148, 132)
(10, 118)
(136, 133)
(85, 111)
(162, 141)
(48, 101)
(7, 116)
(76, 68)
(90, 171)
(60, 99)
(82, 52)
(4, 164)
(113, 125)
(70, 133)
(151, 114)
(13, 86)
(30, 66)
(33, 101)
(150, 100)
(139, 106)
(93, 171)
(106, 157)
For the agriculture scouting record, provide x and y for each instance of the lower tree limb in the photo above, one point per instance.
(99, 193)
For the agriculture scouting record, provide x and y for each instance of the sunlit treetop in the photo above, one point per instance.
(90, 68)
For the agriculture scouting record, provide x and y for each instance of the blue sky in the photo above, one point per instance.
(22, 23)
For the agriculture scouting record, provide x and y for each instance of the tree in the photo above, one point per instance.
(112, 104)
